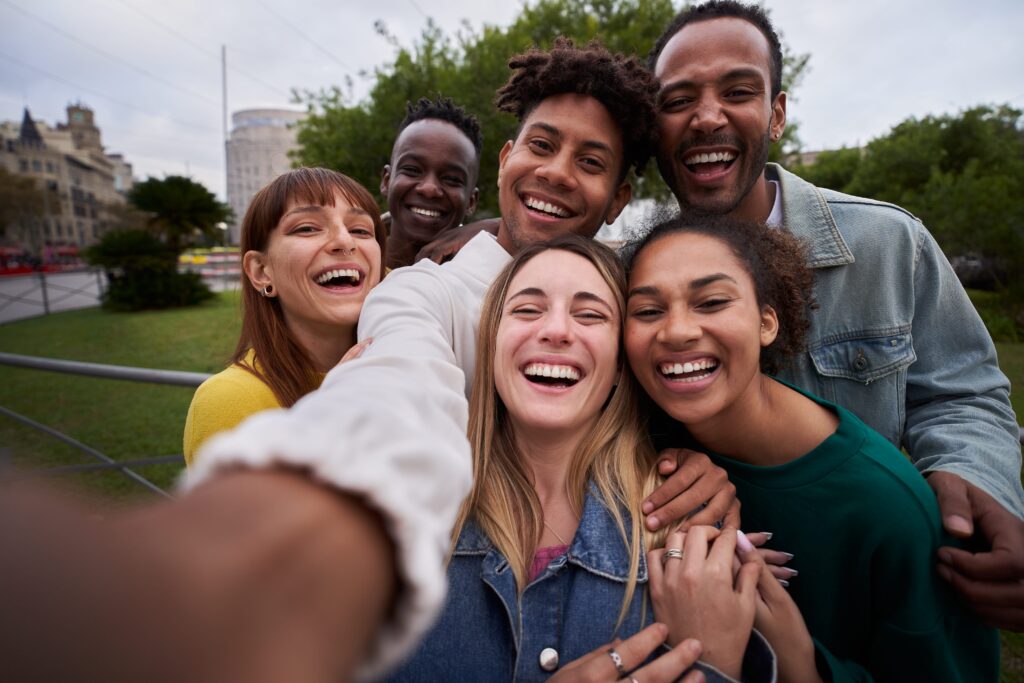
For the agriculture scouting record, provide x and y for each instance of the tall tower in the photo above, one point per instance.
(83, 129)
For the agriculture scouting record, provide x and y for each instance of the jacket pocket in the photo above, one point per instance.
(867, 374)
(864, 359)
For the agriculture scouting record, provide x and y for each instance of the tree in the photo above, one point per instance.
(180, 209)
(356, 137)
(22, 210)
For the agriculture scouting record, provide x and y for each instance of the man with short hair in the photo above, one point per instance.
(895, 338)
(430, 180)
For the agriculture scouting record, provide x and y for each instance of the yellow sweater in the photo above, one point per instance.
(222, 402)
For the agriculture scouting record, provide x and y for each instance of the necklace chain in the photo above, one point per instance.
(552, 530)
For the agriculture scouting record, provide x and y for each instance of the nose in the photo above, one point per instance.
(556, 328)
(681, 328)
(557, 169)
(429, 185)
(340, 240)
(708, 115)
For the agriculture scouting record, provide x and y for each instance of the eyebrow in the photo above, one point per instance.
(578, 296)
(650, 290)
(591, 144)
(731, 75)
(317, 208)
(417, 156)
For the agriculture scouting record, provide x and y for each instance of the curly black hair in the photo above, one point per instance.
(619, 82)
(776, 262)
(717, 9)
(444, 109)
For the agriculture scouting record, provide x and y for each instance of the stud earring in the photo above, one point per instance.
(268, 291)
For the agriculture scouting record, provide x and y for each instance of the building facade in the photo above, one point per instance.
(257, 152)
(78, 180)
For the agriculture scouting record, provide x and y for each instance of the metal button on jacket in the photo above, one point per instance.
(549, 659)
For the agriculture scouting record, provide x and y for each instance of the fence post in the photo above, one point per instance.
(46, 299)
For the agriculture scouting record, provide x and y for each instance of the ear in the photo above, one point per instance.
(254, 263)
(623, 193)
(502, 156)
(474, 197)
(778, 122)
(769, 325)
(385, 179)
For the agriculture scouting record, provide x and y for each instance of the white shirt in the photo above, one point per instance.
(390, 426)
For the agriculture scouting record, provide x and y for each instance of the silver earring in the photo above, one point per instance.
(268, 291)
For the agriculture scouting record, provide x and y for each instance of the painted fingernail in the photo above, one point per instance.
(789, 556)
(743, 542)
(767, 535)
(792, 572)
(784, 583)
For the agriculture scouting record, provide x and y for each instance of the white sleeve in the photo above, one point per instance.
(389, 427)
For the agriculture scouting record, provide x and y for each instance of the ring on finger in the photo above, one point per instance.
(617, 661)
(672, 554)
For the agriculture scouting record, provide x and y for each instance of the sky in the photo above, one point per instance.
(151, 69)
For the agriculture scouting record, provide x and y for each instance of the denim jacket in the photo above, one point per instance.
(488, 632)
(896, 340)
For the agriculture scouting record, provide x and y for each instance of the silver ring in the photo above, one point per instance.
(672, 554)
(617, 661)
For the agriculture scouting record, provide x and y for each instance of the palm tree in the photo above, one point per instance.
(180, 209)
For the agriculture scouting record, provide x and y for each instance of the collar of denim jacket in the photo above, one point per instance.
(807, 215)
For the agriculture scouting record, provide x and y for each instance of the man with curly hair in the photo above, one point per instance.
(895, 340)
(430, 180)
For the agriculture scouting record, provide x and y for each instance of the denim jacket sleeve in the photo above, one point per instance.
(958, 416)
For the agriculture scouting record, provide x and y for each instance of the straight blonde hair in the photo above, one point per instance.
(616, 455)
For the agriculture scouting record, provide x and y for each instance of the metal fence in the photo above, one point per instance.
(35, 294)
(120, 372)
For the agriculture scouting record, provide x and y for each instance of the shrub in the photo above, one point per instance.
(142, 272)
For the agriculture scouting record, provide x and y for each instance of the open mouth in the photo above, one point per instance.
(552, 375)
(709, 163)
(545, 207)
(690, 371)
(339, 278)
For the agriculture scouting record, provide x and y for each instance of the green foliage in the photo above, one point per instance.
(181, 210)
(963, 175)
(356, 137)
(22, 209)
(142, 273)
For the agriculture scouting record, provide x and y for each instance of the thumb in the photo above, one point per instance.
(954, 504)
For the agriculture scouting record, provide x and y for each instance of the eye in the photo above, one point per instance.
(360, 231)
(592, 164)
(645, 312)
(408, 169)
(673, 104)
(540, 146)
(713, 303)
(525, 311)
(590, 316)
(740, 93)
(454, 181)
(303, 229)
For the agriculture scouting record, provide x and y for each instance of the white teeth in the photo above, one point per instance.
(546, 207)
(710, 158)
(341, 272)
(429, 213)
(704, 365)
(554, 371)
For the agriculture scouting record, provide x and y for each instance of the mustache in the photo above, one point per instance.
(713, 140)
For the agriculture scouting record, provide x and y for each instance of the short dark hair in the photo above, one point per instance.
(620, 83)
(444, 109)
(776, 262)
(717, 9)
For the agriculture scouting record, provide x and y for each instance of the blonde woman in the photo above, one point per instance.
(548, 563)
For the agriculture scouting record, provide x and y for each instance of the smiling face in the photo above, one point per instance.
(430, 183)
(694, 329)
(320, 261)
(716, 116)
(562, 172)
(556, 349)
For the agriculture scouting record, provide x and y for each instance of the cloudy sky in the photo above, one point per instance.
(151, 69)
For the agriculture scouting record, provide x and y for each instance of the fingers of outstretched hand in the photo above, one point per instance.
(632, 651)
(669, 666)
(356, 350)
(1005, 598)
(954, 504)
(670, 462)
(721, 510)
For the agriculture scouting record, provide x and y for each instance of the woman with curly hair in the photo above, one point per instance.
(714, 306)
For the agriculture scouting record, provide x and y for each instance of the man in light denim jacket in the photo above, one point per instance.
(895, 338)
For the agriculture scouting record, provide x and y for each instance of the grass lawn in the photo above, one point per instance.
(131, 420)
(121, 419)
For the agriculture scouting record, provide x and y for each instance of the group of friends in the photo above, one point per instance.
(523, 456)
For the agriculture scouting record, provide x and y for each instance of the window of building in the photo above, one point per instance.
(37, 165)
(23, 165)
(49, 167)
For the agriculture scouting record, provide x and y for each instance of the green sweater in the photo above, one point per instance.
(864, 527)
